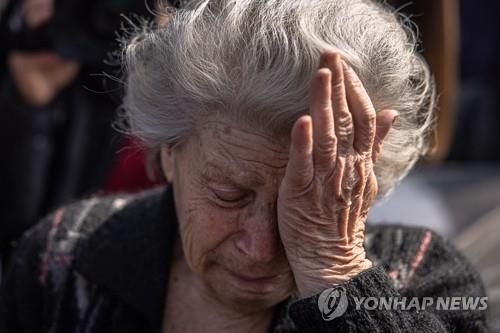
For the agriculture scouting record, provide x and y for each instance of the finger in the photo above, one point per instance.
(385, 121)
(325, 142)
(344, 130)
(362, 110)
(300, 170)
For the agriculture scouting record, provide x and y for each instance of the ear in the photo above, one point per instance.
(167, 162)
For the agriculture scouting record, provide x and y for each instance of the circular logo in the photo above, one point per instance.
(332, 303)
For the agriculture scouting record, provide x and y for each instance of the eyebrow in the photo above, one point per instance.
(216, 172)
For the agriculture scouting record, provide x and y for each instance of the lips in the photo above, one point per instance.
(253, 284)
(253, 278)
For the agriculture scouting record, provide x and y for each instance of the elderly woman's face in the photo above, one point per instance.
(226, 181)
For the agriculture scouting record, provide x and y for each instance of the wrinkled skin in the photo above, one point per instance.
(329, 184)
(291, 209)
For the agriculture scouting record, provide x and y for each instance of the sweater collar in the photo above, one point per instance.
(129, 254)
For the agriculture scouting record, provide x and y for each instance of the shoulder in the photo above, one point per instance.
(51, 243)
(389, 242)
(386, 243)
(42, 266)
(416, 258)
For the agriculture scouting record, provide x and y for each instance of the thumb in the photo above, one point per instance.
(300, 169)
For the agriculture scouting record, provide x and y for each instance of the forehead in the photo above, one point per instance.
(228, 148)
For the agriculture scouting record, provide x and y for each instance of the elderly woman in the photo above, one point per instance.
(276, 124)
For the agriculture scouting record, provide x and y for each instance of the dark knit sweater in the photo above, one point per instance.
(101, 265)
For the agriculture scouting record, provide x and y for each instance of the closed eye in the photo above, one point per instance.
(229, 195)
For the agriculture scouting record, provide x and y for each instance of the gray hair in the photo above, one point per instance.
(253, 60)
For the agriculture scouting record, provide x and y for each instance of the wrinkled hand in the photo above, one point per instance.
(329, 183)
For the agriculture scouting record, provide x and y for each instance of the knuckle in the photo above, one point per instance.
(326, 148)
(338, 93)
(325, 106)
(345, 126)
(344, 119)
(366, 127)
(370, 115)
(338, 83)
(328, 139)
(356, 84)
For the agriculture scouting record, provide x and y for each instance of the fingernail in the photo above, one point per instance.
(395, 118)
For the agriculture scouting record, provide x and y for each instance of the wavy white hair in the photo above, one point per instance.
(253, 60)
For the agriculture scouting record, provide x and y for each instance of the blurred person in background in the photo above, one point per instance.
(275, 137)
(477, 134)
(56, 107)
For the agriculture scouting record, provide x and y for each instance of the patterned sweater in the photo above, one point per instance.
(101, 265)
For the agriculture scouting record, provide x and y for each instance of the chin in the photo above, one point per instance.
(248, 294)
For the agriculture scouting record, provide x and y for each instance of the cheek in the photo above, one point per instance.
(203, 230)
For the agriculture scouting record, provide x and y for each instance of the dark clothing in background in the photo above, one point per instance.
(101, 266)
(476, 117)
(477, 134)
(80, 30)
(63, 150)
(51, 154)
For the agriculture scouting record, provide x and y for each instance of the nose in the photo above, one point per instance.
(258, 237)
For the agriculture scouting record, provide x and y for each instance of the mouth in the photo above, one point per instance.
(253, 284)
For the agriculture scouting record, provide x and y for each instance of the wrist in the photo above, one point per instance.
(312, 281)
